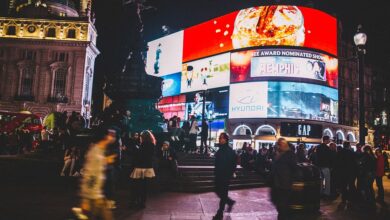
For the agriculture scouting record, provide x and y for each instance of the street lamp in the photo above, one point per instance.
(204, 86)
(360, 40)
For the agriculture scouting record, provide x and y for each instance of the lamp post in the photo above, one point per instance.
(203, 120)
(360, 40)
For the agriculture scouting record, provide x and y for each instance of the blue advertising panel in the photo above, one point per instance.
(171, 85)
(302, 101)
(294, 100)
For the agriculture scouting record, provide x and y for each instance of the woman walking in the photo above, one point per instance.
(143, 168)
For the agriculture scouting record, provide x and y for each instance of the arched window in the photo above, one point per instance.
(265, 130)
(242, 130)
(26, 82)
(59, 83)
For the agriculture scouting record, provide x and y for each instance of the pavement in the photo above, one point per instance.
(46, 195)
(54, 199)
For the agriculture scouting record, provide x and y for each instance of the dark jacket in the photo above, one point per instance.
(368, 164)
(144, 156)
(345, 164)
(324, 156)
(283, 171)
(225, 163)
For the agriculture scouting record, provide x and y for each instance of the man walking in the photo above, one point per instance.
(225, 165)
(282, 177)
(324, 162)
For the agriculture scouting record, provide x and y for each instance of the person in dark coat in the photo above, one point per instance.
(368, 166)
(282, 177)
(380, 172)
(225, 165)
(143, 170)
(346, 171)
(324, 162)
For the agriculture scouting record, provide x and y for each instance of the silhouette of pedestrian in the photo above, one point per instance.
(225, 165)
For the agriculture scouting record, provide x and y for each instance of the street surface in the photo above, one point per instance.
(53, 199)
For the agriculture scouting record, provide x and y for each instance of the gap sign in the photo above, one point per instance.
(300, 130)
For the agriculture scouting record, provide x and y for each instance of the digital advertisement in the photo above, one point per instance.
(302, 101)
(248, 100)
(262, 26)
(165, 55)
(283, 100)
(288, 64)
(216, 104)
(207, 73)
(171, 106)
(171, 84)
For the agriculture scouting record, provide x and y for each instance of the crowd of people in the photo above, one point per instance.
(23, 140)
(184, 138)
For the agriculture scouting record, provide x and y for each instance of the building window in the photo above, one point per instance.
(26, 83)
(61, 57)
(51, 32)
(11, 30)
(59, 83)
(71, 33)
(28, 55)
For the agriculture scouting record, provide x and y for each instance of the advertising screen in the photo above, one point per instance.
(216, 104)
(283, 100)
(207, 73)
(286, 64)
(262, 26)
(171, 84)
(171, 106)
(165, 54)
(302, 101)
(248, 100)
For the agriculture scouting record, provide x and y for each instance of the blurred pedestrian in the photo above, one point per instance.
(368, 166)
(193, 133)
(225, 165)
(301, 153)
(324, 162)
(71, 156)
(143, 170)
(282, 177)
(93, 200)
(204, 134)
(346, 172)
(380, 172)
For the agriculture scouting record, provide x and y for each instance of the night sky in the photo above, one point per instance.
(180, 14)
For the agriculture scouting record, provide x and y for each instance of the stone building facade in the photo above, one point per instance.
(47, 56)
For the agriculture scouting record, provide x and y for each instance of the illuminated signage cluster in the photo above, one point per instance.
(289, 69)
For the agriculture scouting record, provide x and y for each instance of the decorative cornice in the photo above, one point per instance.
(45, 42)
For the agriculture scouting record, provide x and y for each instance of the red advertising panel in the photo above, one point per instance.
(262, 26)
(284, 64)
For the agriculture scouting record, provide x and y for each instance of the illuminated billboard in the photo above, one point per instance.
(284, 64)
(171, 85)
(207, 73)
(216, 104)
(302, 101)
(165, 54)
(248, 100)
(283, 100)
(262, 26)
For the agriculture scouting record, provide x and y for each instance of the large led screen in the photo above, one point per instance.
(283, 100)
(207, 73)
(284, 64)
(165, 54)
(171, 85)
(216, 104)
(262, 26)
(248, 100)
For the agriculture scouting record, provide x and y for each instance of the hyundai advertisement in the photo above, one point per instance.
(283, 100)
